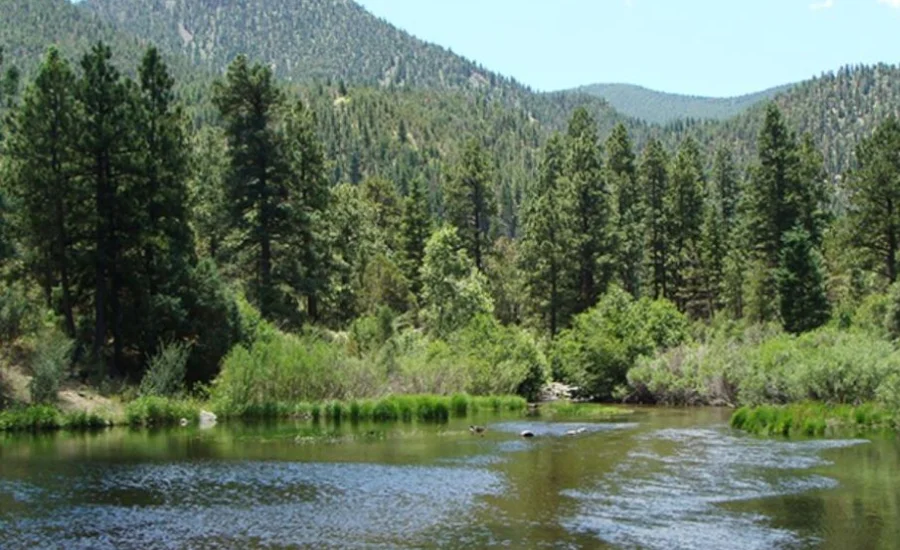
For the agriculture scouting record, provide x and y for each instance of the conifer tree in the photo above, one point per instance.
(167, 244)
(875, 198)
(654, 179)
(801, 284)
(685, 204)
(45, 183)
(622, 177)
(415, 228)
(470, 201)
(106, 151)
(591, 205)
(548, 241)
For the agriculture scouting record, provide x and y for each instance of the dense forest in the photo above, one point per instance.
(181, 223)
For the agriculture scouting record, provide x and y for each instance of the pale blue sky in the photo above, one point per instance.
(701, 47)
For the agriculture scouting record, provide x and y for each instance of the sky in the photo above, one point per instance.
(700, 47)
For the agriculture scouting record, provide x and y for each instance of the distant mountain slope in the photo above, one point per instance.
(661, 107)
(302, 40)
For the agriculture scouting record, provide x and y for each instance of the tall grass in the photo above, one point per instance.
(160, 411)
(812, 419)
(38, 418)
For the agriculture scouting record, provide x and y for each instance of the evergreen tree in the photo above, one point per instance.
(167, 244)
(812, 195)
(654, 179)
(209, 207)
(774, 187)
(725, 190)
(45, 183)
(107, 154)
(591, 204)
(722, 278)
(276, 191)
(415, 228)
(548, 241)
(875, 198)
(801, 284)
(622, 176)
(685, 221)
(470, 201)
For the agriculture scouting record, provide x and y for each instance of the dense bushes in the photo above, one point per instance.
(484, 358)
(767, 366)
(604, 342)
(160, 411)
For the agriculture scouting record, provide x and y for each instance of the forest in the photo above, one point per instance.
(244, 254)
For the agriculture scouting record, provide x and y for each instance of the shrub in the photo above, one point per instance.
(49, 362)
(166, 370)
(160, 411)
(34, 418)
(17, 313)
(606, 341)
(826, 365)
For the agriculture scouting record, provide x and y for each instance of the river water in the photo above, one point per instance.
(658, 479)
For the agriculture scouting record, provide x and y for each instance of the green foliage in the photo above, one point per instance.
(49, 363)
(18, 314)
(812, 419)
(828, 365)
(470, 203)
(801, 284)
(30, 419)
(567, 409)
(166, 370)
(159, 411)
(606, 341)
(454, 291)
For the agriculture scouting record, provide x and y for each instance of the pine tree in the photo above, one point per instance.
(470, 201)
(812, 195)
(45, 183)
(106, 151)
(801, 284)
(415, 228)
(548, 241)
(725, 187)
(622, 176)
(267, 188)
(685, 205)
(875, 198)
(166, 240)
(591, 204)
(721, 268)
(654, 179)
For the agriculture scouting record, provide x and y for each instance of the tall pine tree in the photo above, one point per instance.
(685, 204)
(548, 241)
(470, 201)
(622, 177)
(591, 203)
(654, 179)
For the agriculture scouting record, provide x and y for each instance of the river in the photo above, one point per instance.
(657, 479)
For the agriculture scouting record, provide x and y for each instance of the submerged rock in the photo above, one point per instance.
(527, 433)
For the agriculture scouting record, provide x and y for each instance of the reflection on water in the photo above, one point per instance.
(664, 479)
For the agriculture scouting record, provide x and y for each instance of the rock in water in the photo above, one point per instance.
(184, 422)
(207, 419)
(527, 433)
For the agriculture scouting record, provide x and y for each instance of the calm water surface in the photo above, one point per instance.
(662, 479)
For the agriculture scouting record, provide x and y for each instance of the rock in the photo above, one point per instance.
(527, 433)
(556, 391)
(207, 419)
(572, 432)
(184, 422)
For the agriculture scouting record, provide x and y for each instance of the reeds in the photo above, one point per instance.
(812, 419)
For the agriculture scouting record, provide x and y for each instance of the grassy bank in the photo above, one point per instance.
(47, 418)
(813, 419)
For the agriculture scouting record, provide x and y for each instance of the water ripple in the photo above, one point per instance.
(666, 495)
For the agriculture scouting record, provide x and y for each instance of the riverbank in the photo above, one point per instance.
(814, 419)
(162, 412)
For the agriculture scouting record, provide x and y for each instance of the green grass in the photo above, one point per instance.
(569, 409)
(160, 411)
(392, 408)
(37, 418)
(813, 419)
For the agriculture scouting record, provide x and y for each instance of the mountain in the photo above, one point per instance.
(662, 108)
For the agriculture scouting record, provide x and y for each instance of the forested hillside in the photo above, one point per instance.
(661, 107)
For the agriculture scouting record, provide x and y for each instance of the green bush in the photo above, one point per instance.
(160, 411)
(166, 370)
(828, 365)
(34, 418)
(51, 358)
(83, 420)
(606, 341)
